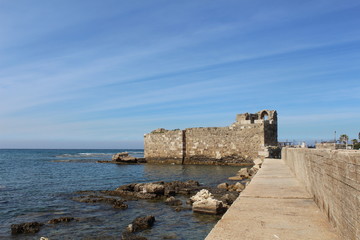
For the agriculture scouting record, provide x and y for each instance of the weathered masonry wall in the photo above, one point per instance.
(240, 142)
(223, 145)
(333, 178)
(164, 146)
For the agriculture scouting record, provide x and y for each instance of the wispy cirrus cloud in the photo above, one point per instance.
(104, 61)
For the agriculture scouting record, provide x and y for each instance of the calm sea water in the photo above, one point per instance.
(37, 185)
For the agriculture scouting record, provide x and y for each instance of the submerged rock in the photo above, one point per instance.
(141, 223)
(131, 236)
(157, 189)
(173, 201)
(170, 236)
(115, 202)
(61, 219)
(30, 227)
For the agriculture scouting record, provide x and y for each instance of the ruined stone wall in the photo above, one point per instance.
(270, 134)
(224, 145)
(333, 178)
(241, 142)
(164, 146)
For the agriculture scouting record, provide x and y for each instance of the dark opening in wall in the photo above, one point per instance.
(264, 115)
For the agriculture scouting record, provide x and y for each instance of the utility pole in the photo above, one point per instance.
(335, 137)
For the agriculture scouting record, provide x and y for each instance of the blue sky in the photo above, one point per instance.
(100, 74)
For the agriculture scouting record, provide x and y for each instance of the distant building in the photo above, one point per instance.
(330, 145)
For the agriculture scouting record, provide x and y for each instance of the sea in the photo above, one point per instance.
(39, 184)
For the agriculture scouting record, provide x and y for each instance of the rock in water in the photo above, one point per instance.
(173, 201)
(244, 172)
(119, 204)
(236, 178)
(204, 202)
(141, 223)
(229, 198)
(124, 157)
(117, 156)
(61, 219)
(252, 171)
(258, 162)
(31, 227)
(223, 186)
(237, 187)
(158, 189)
(209, 206)
(201, 195)
(131, 236)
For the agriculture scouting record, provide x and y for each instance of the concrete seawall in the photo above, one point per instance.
(332, 177)
(275, 205)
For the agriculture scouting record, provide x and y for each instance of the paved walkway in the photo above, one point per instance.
(273, 206)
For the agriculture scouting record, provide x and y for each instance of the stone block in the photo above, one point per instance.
(209, 206)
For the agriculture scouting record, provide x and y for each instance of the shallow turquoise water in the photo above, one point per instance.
(37, 185)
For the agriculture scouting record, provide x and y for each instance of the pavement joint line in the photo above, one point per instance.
(273, 177)
(278, 197)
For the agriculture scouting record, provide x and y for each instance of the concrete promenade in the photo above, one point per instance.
(273, 206)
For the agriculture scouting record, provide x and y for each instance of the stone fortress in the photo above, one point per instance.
(250, 137)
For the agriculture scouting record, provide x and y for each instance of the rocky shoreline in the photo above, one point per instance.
(200, 199)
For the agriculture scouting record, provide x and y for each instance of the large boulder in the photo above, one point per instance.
(30, 227)
(204, 202)
(209, 206)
